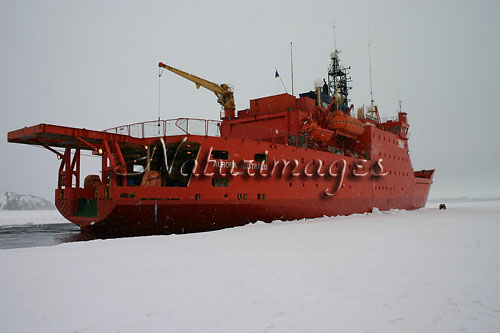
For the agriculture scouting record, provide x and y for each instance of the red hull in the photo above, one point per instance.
(254, 198)
(140, 218)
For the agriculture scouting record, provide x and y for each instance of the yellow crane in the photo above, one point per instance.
(223, 91)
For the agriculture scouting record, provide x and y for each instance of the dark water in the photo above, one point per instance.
(30, 235)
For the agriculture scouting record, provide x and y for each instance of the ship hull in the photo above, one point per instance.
(159, 216)
(305, 190)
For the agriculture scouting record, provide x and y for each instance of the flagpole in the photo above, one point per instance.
(291, 63)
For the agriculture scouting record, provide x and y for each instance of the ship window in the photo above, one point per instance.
(301, 141)
(260, 157)
(310, 143)
(220, 182)
(220, 154)
(258, 196)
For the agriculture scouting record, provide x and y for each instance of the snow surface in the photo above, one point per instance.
(22, 217)
(418, 271)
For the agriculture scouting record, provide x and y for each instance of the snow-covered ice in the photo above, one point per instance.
(417, 271)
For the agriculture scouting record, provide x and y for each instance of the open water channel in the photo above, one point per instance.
(30, 235)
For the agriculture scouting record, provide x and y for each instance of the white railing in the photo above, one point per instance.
(169, 127)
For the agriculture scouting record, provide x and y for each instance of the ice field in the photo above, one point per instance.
(397, 271)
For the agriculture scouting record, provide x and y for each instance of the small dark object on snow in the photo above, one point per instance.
(442, 206)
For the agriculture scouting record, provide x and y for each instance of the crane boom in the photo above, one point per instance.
(223, 91)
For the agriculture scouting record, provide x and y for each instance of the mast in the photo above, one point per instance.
(370, 66)
(372, 109)
(291, 63)
(338, 82)
(334, 39)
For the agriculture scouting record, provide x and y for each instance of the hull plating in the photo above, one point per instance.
(303, 189)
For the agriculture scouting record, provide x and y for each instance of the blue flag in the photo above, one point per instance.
(276, 74)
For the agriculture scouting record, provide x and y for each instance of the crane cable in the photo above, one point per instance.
(160, 73)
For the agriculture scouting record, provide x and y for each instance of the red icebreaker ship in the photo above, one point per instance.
(284, 158)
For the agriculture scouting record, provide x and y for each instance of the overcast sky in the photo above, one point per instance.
(93, 64)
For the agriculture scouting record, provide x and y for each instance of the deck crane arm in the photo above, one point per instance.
(223, 91)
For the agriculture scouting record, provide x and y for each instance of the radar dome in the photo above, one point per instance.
(318, 83)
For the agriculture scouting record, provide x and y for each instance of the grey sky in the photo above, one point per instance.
(93, 64)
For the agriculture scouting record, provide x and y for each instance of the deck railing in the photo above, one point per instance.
(212, 128)
(193, 126)
(169, 127)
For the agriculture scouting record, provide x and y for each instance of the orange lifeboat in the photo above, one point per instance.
(345, 125)
(317, 132)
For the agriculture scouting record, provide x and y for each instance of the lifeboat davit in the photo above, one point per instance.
(345, 125)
